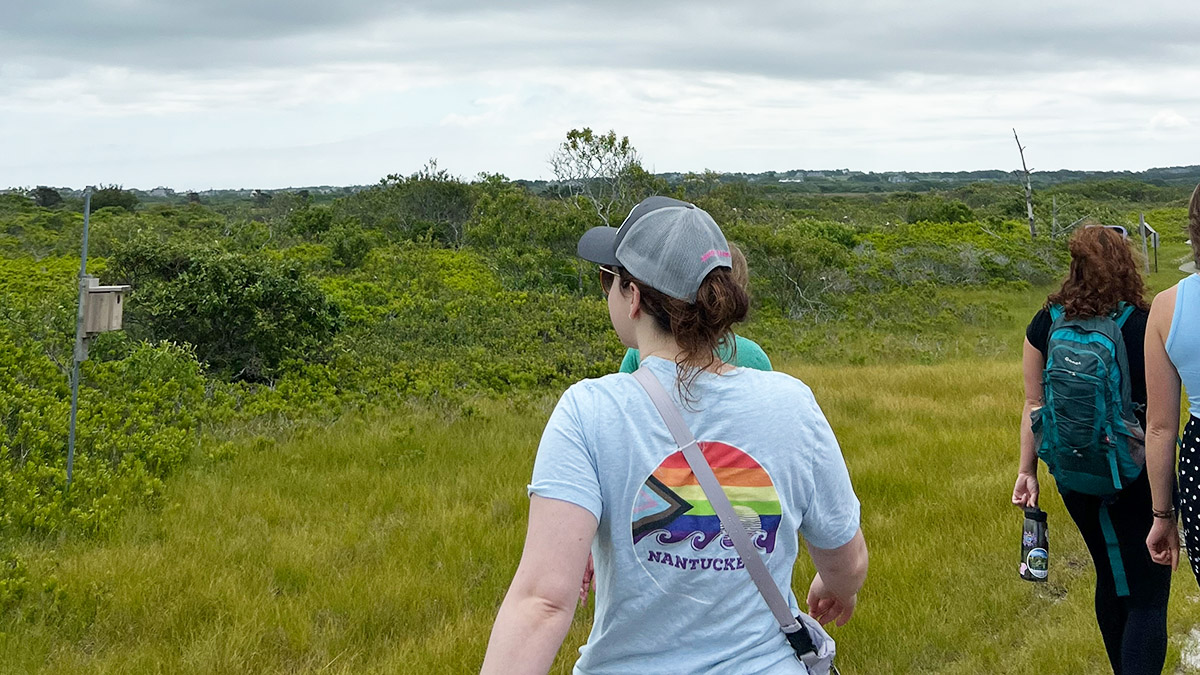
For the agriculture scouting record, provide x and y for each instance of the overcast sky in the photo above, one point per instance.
(277, 93)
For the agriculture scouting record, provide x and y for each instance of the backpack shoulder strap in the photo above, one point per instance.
(1114, 552)
(1124, 309)
(1056, 312)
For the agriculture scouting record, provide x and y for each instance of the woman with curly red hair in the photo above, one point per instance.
(1173, 360)
(1104, 280)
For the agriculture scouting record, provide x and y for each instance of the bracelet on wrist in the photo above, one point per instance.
(1165, 514)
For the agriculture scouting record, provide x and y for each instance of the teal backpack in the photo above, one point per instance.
(1090, 439)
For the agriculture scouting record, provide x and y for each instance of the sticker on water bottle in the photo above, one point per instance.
(1039, 563)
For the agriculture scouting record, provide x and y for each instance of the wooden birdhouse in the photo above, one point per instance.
(103, 308)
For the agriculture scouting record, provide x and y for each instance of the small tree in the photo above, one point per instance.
(596, 167)
(700, 184)
(429, 204)
(113, 195)
(261, 198)
(45, 197)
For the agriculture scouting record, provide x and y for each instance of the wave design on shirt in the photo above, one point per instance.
(672, 508)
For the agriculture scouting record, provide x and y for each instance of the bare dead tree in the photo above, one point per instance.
(1028, 188)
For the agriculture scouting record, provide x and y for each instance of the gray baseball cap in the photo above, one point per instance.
(668, 244)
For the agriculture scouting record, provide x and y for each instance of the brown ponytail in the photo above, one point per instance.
(699, 328)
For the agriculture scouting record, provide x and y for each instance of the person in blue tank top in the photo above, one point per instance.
(1173, 360)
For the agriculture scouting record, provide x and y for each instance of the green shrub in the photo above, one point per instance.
(45, 197)
(38, 302)
(137, 417)
(14, 581)
(509, 216)
(937, 209)
(429, 205)
(350, 243)
(797, 267)
(312, 220)
(1170, 223)
(312, 259)
(40, 232)
(112, 196)
(956, 254)
(244, 315)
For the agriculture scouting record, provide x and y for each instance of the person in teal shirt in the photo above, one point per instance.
(747, 354)
(744, 352)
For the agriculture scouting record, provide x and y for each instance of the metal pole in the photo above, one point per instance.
(1053, 216)
(1145, 251)
(80, 339)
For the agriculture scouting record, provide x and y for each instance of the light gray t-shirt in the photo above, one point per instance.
(672, 595)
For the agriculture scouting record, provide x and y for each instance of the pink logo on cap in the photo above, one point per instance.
(712, 252)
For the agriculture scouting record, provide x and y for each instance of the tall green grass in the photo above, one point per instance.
(386, 545)
(933, 454)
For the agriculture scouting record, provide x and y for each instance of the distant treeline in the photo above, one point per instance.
(793, 180)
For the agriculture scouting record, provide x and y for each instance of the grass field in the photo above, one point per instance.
(385, 544)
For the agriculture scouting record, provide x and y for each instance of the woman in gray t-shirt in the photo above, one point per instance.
(673, 595)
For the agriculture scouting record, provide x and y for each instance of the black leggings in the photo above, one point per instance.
(1189, 491)
(1134, 628)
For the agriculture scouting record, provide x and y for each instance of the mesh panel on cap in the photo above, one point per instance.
(673, 248)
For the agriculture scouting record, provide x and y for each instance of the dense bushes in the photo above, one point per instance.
(29, 230)
(136, 425)
(139, 408)
(935, 209)
(271, 309)
(959, 254)
(800, 268)
(244, 315)
(430, 204)
(435, 321)
(112, 196)
(819, 270)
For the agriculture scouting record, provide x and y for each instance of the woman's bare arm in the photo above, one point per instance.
(840, 574)
(536, 612)
(1162, 427)
(1025, 491)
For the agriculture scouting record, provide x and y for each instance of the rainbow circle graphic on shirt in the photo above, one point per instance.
(670, 508)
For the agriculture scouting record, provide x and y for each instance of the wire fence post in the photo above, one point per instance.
(80, 353)
(1145, 249)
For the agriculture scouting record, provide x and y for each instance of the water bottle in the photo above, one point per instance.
(1035, 547)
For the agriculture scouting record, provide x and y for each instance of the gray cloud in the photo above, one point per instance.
(219, 91)
(869, 39)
